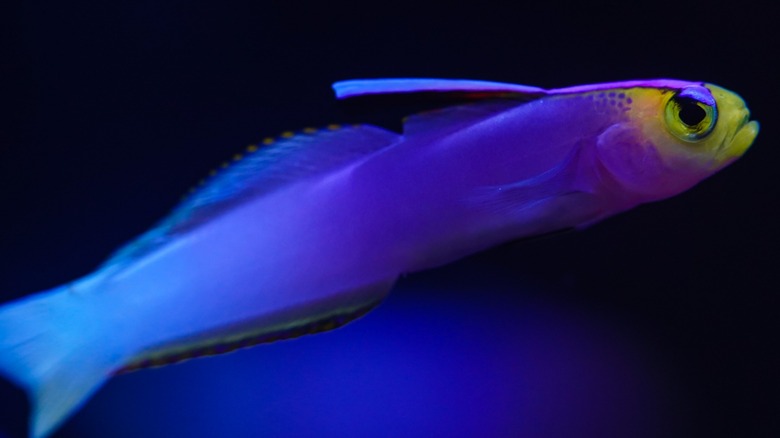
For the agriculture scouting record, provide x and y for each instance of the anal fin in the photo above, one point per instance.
(305, 319)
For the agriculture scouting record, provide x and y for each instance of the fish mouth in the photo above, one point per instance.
(743, 137)
(744, 121)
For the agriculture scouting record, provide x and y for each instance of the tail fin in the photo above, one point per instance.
(50, 345)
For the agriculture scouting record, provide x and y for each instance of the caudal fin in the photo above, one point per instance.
(50, 346)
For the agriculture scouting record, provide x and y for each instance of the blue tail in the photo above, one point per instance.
(50, 345)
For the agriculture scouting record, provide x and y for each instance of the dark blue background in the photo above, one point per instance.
(662, 321)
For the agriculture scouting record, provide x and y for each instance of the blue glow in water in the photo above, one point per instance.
(422, 364)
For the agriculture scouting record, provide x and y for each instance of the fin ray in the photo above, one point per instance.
(49, 348)
(224, 346)
(291, 159)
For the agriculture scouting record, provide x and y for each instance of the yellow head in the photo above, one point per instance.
(670, 138)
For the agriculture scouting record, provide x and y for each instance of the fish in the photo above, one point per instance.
(311, 230)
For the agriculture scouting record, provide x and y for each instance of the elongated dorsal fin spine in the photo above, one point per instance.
(479, 89)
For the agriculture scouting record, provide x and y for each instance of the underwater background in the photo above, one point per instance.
(662, 321)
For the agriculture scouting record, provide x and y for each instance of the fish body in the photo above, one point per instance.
(312, 232)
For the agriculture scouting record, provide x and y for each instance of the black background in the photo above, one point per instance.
(112, 110)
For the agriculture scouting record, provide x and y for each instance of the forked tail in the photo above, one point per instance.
(50, 345)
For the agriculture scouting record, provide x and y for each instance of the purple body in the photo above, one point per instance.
(313, 231)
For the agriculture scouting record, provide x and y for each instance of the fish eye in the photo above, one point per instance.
(688, 118)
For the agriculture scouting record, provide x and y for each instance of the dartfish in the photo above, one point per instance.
(310, 232)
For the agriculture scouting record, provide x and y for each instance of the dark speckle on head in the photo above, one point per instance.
(607, 101)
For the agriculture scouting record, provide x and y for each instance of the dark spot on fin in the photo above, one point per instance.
(216, 347)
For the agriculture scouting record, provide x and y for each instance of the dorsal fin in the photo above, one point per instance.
(454, 118)
(290, 159)
(477, 100)
(470, 88)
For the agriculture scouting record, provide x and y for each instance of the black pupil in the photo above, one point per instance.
(690, 112)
